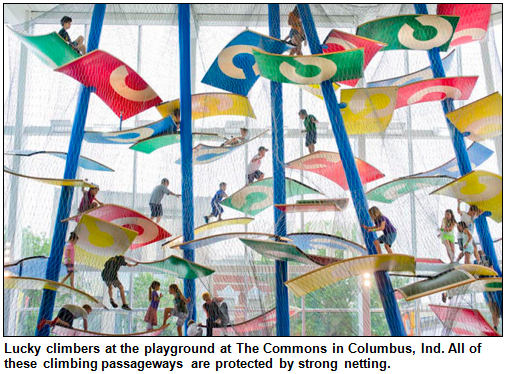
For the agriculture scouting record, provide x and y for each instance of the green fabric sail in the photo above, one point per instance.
(51, 49)
(312, 69)
(256, 197)
(417, 32)
(391, 191)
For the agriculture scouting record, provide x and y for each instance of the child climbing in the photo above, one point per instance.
(176, 116)
(151, 317)
(469, 218)
(155, 201)
(89, 200)
(180, 309)
(66, 316)
(238, 139)
(310, 122)
(69, 256)
(465, 239)
(78, 44)
(253, 171)
(296, 35)
(216, 208)
(110, 277)
(447, 236)
(382, 223)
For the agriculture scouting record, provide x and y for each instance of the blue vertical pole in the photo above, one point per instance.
(76, 139)
(463, 161)
(186, 144)
(278, 161)
(385, 288)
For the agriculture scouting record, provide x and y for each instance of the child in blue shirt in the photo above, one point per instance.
(216, 208)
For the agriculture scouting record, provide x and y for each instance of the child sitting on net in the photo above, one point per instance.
(238, 139)
(78, 44)
(194, 329)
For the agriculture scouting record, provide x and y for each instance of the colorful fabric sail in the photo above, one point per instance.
(304, 206)
(148, 231)
(27, 283)
(243, 221)
(480, 188)
(457, 88)
(434, 269)
(329, 165)
(352, 267)
(443, 282)
(473, 21)
(51, 49)
(311, 69)
(482, 119)
(314, 241)
(211, 104)
(477, 153)
(337, 41)
(264, 321)
(341, 203)
(218, 238)
(205, 154)
(391, 191)
(417, 76)
(369, 110)
(481, 285)
(463, 321)
(235, 69)
(177, 266)
(119, 87)
(100, 240)
(84, 162)
(417, 32)
(286, 252)
(31, 267)
(63, 331)
(52, 181)
(258, 196)
(130, 136)
(152, 144)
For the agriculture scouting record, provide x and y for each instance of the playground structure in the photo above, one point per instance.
(280, 269)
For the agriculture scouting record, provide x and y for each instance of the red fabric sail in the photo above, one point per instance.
(329, 165)
(457, 88)
(119, 86)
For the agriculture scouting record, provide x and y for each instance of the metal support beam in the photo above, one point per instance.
(385, 288)
(186, 146)
(278, 170)
(76, 139)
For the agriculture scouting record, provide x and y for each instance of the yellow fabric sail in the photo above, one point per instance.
(481, 119)
(27, 283)
(212, 104)
(100, 240)
(327, 275)
(52, 181)
(369, 110)
(210, 226)
(480, 188)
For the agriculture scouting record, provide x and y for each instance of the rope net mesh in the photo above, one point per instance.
(38, 115)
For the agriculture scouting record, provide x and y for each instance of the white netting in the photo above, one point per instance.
(38, 115)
